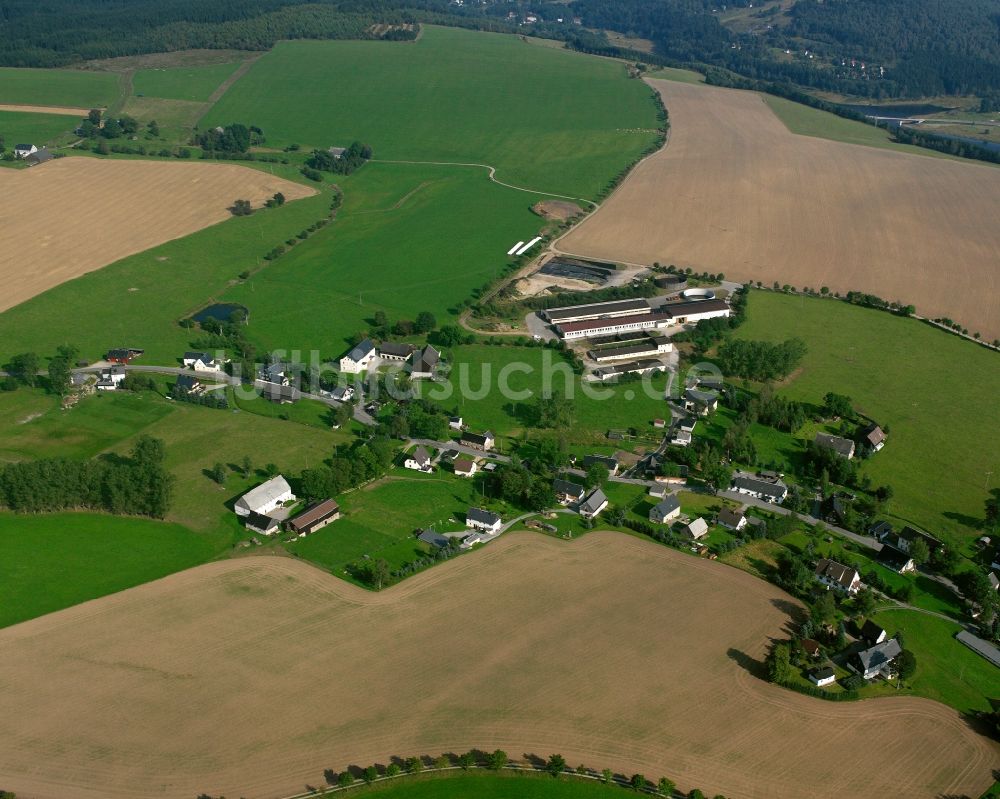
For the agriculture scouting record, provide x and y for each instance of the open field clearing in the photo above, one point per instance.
(45, 109)
(32, 127)
(503, 785)
(624, 630)
(941, 455)
(140, 204)
(182, 83)
(735, 191)
(62, 87)
(547, 119)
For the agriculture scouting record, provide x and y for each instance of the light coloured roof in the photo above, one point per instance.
(266, 493)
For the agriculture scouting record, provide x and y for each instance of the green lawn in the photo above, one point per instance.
(379, 520)
(548, 119)
(936, 392)
(37, 129)
(947, 671)
(67, 87)
(679, 75)
(49, 562)
(505, 785)
(182, 83)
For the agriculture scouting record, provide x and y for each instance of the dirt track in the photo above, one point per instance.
(734, 191)
(250, 677)
(71, 216)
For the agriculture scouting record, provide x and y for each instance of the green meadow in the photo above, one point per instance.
(182, 83)
(52, 561)
(37, 129)
(936, 392)
(548, 119)
(67, 87)
(505, 785)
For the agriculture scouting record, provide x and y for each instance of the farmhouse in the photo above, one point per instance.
(695, 310)
(593, 504)
(423, 363)
(597, 310)
(201, 361)
(768, 490)
(668, 508)
(844, 447)
(315, 517)
(567, 492)
(894, 559)
(336, 152)
(261, 523)
(24, 150)
(359, 358)
(610, 463)
(123, 355)
(419, 461)
(649, 347)
(876, 660)
(688, 423)
(632, 367)
(700, 402)
(342, 393)
(275, 373)
(111, 378)
(838, 576)
(658, 491)
(632, 323)
(189, 384)
(265, 497)
(732, 519)
(874, 437)
(697, 528)
(39, 157)
(880, 530)
(483, 442)
(823, 676)
(388, 351)
(872, 633)
(485, 520)
(465, 467)
(281, 395)
(434, 539)
(455, 422)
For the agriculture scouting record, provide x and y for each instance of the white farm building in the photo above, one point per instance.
(265, 497)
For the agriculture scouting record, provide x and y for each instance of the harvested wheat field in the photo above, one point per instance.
(735, 192)
(250, 677)
(47, 109)
(71, 216)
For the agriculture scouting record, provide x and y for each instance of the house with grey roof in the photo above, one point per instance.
(666, 509)
(485, 520)
(265, 497)
(390, 351)
(877, 660)
(359, 357)
(433, 539)
(732, 519)
(844, 447)
(261, 523)
(609, 462)
(769, 490)
(838, 576)
(567, 492)
(594, 503)
(697, 529)
(419, 460)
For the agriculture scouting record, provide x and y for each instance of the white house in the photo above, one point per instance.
(567, 492)
(669, 508)
(697, 529)
(838, 576)
(484, 520)
(465, 467)
(876, 660)
(732, 519)
(111, 378)
(24, 150)
(682, 438)
(265, 497)
(259, 523)
(359, 358)
(844, 447)
(822, 677)
(593, 504)
(768, 490)
(455, 422)
(419, 461)
(201, 361)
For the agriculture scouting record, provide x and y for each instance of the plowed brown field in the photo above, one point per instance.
(250, 677)
(735, 192)
(71, 216)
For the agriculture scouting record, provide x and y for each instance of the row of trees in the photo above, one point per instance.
(135, 485)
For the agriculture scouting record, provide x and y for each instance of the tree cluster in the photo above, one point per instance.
(761, 360)
(347, 162)
(234, 138)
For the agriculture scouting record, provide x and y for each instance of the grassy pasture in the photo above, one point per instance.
(936, 392)
(66, 87)
(547, 119)
(182, 83)
(38, 129)
(52, 561)
(504, 785)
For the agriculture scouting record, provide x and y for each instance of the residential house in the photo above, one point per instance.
(389, 351)
(449, 455)
(838, 576)
(485, 520)
(123, 355)
(201, 361)
(419, 461)
(873, 437)
(189, 384)
(659, 424)
(465, 467)
(455, 422)
(701, 402)
(423, 363)
(24, 150)
(880, 530)
(359, 358)
(336, 152)
(877, 660)
(687, 423)
(281, 395)
(911, 534)
(658, 491)
(261, 523)
(897, 560)
(682, 438)
(836, 509)
(823, 676)
(342, 393)
(732, 519)
(844, 447)
(697, 529)
(265, 497)
(472, 538)
(315, 517)
(111, 379)
(39, 157)
(610, 463)
(665, 510)
(278, 374)
(567, 492)
(434, 539)
(593, 504)
(768, 490)
(872, 633)
(484, 441)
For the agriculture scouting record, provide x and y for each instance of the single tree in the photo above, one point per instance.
(497, 759)
(392, 770)
(246, 465)
(638, 782)
(864, 602)
(345, 779)
(218, 473)
(443, 761)
(597, 475)
(555, 765)
(906, 664)
(919, 551)
(607, 776)
(666, 786)
(467, 760)
(414, 764)
(370, 774)
(379, 573)
(425, 322)
(271, 469)
(25, 367)
(779, 663)
(60, 377)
